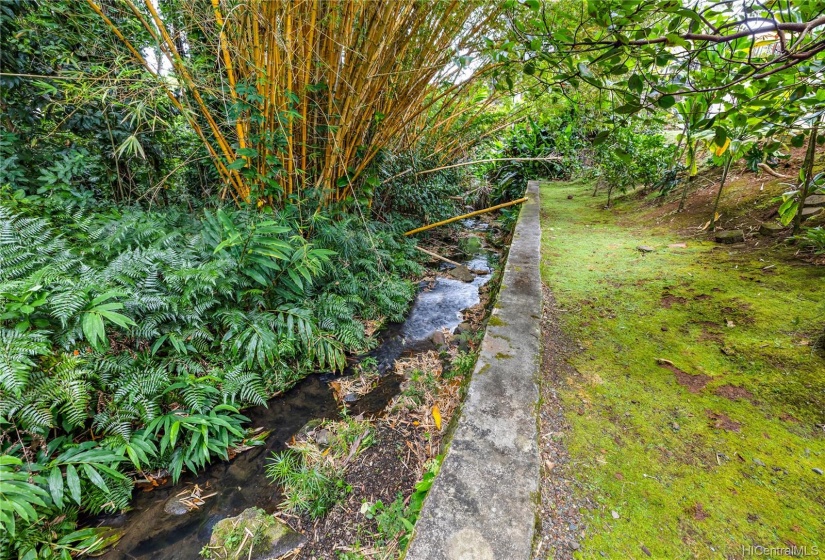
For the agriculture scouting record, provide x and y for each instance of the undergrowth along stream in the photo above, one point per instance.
(132, 338)
(165, 523)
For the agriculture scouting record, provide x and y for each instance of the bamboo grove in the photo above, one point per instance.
(308, 92)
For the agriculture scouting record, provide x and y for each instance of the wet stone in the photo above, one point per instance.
(732, 236)
(462, 273)
(645, 248)
(323, 438)
(308, 427)
(463, 327)
(175, 506)
(815, 200)
(817, 471)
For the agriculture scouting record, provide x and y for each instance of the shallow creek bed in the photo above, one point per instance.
(377, 432)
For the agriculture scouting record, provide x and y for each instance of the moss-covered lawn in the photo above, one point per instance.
(715, 448)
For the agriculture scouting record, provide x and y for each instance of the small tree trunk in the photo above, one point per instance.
(691, 162)
(809, 171)
(684, 193)
(719, 194)
(609, 192)
(596, 189)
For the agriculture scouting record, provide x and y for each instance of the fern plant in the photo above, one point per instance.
(151, 330)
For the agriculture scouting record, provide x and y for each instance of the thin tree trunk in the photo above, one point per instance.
(691, 163)
(684, 194)
(719, 194)
(809, 170)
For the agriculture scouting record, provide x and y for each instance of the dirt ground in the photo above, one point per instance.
(560, 526)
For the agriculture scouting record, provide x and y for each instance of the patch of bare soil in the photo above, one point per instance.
(560, 524)
(698, 512)
(669, 299)
(741, 185)
(788, 417)
(733, 393)
(722, 421)
(692, 382)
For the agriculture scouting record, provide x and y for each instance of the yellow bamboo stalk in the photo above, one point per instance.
(230, 72)
(375, 57)
(145, 64)
(307, 67)
(464, 216)
(180, 68)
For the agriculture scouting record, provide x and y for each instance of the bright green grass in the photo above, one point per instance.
(643, 445)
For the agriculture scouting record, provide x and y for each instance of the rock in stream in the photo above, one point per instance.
(268, 537)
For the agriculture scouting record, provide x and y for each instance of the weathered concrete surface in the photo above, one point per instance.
(482, 505)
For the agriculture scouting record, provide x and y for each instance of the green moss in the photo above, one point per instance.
(503, 356)
(248, 535)
(496, 321)
(648, 448)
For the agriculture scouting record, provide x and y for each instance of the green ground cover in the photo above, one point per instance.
(716, 448)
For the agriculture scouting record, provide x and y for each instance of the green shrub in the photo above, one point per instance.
(815, 238)
(633, 156)
(560, 136)
(312, 478)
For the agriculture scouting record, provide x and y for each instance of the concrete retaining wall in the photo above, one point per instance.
(482, 505)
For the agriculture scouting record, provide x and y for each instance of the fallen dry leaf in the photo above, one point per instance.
(437, 416)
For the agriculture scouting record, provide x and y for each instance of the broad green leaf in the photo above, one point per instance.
(94, 477)
(247, 152)
(73, 482)
(667, 101)
(530, 68)
(93, 330)
(56, 486)
(118, 319)
(239, 163)
(173, 433)
(601, 137)
(721, 135)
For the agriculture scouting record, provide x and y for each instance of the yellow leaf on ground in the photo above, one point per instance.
(437, 416)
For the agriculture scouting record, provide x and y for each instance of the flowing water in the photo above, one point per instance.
(152, 533)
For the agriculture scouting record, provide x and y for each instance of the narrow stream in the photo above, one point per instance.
(151, 532)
